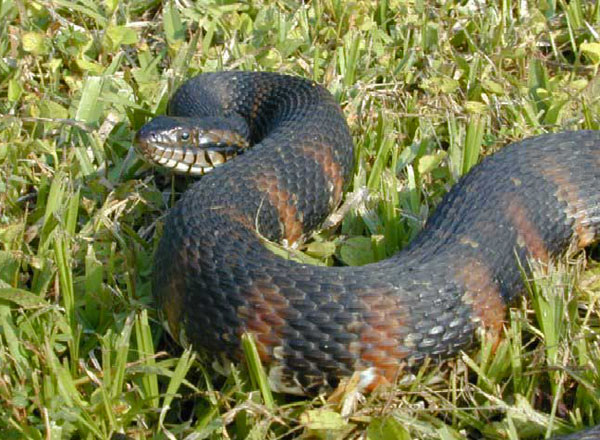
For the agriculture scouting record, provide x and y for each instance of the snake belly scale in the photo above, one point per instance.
(215, 279)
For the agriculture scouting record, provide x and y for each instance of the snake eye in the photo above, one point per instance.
(185, 136)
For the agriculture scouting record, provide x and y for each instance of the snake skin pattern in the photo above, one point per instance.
(215, 279)
(588, 434)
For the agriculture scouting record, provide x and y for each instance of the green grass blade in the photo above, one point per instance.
(256, 370)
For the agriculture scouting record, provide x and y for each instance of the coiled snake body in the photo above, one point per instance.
(215, 280)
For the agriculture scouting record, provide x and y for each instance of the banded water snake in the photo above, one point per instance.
(215, 279)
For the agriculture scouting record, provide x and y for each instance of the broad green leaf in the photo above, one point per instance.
(22, 298)
(592, 51)
(357, 251)
(34, 43)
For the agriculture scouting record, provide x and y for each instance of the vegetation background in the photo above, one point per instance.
(428, 87)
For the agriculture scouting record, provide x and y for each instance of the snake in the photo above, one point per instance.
(280, 156)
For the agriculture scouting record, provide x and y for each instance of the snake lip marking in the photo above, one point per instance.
(216, 280)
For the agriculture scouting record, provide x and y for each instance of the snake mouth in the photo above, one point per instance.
(188, 150)
(187, 160)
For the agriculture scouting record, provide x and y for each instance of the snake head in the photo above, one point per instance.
(189, 145)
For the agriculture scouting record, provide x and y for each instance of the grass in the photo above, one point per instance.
(427, 89)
